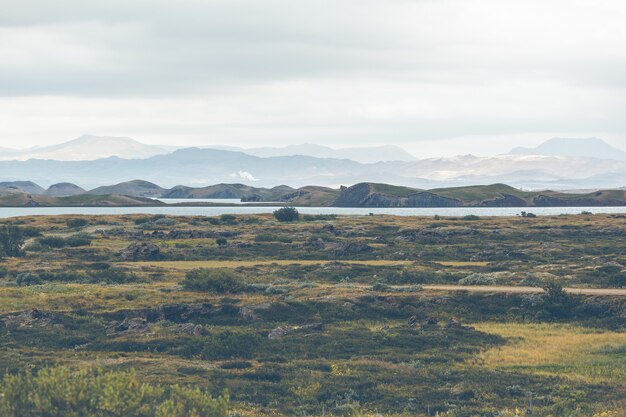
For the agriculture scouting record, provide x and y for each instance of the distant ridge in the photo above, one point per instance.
(583, 147)
(366, 155)
(366, 194)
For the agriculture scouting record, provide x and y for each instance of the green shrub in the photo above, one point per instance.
(268, 237)
(213, 280)
(30, 231)
(471, 217)
(27, 278)
(220, 241)
(81, 239)
(477, 279)
(61, 392)
(100, 266)
(52, 241)
(228, 219)
(318, 217)
(11, 241)
(76, 223)
(286, 214)
(528, 215)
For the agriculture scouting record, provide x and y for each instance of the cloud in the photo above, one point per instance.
(252, 72)
(243, 175)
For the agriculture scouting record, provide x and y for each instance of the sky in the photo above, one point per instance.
(436, 77)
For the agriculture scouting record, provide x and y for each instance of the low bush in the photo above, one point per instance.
(77, 223)
(286, 214)
(318, 217)
(52, 241)
(477, 279)
(11, 241)
(28, 278)
(213, 280)
(59, 391)
(80, 239)
(268, 237)
(470, 217)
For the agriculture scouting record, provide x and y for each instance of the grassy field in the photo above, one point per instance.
(577, 353)
(378, 314)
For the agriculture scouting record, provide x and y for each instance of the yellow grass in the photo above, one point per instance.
(461, 263)
(557, 349)
(184, 265)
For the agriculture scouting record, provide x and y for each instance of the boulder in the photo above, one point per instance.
(141, 251)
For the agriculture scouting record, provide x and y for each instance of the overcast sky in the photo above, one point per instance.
(434, 76)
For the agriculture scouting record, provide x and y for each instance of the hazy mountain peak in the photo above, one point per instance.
(582, 147)
(89, 147)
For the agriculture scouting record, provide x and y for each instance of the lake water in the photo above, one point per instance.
(6, 212)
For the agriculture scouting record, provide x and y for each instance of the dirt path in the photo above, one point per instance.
(525, 290)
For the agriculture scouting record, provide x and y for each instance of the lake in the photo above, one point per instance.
(6, 212)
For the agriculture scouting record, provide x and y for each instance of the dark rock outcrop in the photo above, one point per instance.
(33, 318)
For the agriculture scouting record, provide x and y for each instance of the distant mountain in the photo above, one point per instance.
(86, 148)
(588, 147)
(364, 155)
(64, 189)
(135, 188)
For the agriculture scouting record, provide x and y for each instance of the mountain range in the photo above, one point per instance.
(587, 166)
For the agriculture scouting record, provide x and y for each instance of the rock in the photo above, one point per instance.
(193, 329)
(279, 332)
(353, 248)
(33, 318)
(413, 321)
(329, 228)
(250, 312)
(315, 243)
(133, 325)
(282, 331)
(141, 251)
(181, 312)
(454, 323)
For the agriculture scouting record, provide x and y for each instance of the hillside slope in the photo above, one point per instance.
(84, 200)
(494, 195)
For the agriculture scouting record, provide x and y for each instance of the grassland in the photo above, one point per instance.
(329, 315)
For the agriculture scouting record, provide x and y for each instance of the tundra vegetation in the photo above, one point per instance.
(139, 315)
